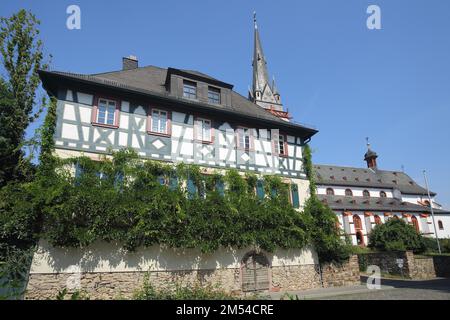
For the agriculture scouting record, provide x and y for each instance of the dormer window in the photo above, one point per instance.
(189, 89)
(330, 192)
(348, 192)
(366, 194)
(213, 95)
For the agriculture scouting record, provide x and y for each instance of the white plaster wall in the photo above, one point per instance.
(357, 192)
(446, 222)
(105, 257)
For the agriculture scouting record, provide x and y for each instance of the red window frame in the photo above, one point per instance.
(275, 145)
(196, 130)
(251, 140)
(168, 132)
(94, 115)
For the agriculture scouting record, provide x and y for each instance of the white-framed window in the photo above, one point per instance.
(159, 121)
(244, 138)
(203, 129)
(106, 112)
(280, 144)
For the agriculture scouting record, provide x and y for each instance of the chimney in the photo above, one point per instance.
(130, 62)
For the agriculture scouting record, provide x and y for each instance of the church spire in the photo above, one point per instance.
(263, 93)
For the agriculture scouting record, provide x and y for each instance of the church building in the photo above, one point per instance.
(365, 197)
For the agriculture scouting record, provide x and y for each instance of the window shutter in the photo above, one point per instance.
(173, 183)
(260, 189)
(118, 181)
(220, 188)
(273, 193)
(78, 171)
(295, 197)
(191, 189)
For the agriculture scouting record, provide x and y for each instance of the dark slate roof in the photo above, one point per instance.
(374, 204)
(365, 177)
(151, 80)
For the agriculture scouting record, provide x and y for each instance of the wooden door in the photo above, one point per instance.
(255, 273)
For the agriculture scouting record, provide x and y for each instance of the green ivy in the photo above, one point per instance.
(121, 199)
(330, 242)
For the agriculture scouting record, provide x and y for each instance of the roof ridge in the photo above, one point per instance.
(117, 71)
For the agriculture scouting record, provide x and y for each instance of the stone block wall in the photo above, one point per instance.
(123, 285)
(295, 278)
(414, 267)
(346, 274)
(423, 268)
(116, 285)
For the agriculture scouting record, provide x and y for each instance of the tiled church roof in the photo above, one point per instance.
(365, 177)
(374, 204)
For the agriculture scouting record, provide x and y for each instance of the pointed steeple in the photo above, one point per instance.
(264, 94)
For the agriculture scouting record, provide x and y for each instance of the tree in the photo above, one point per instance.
(396, 235)
(21, 56)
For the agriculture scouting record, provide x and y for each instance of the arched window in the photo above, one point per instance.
(330, 192)
(357, 222)
(348, 192)
(395, 217)
(441, 225)
(415, 223)
(382, 194)
(377, 219)
(366, 194)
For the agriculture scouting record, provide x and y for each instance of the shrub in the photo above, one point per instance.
(181, 292)
(396, 235)
(328, 239)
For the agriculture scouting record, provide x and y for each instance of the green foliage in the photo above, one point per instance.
(76, 295)
(129, 205)
(431, 245)
(327, 238)
(21, 56)
(309, 169)
(181, 292)
(330, 242)
(14, 265)
(396, 235)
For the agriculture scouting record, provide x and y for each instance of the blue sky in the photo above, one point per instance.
(392, 85)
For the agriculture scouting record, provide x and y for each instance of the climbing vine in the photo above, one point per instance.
(141, 203)
(328, 239)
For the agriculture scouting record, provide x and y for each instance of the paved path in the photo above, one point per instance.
(437, 289)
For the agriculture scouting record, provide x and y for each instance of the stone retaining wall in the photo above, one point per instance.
(106, 271)
(115, 285)
(346, 274)
(413, 267)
